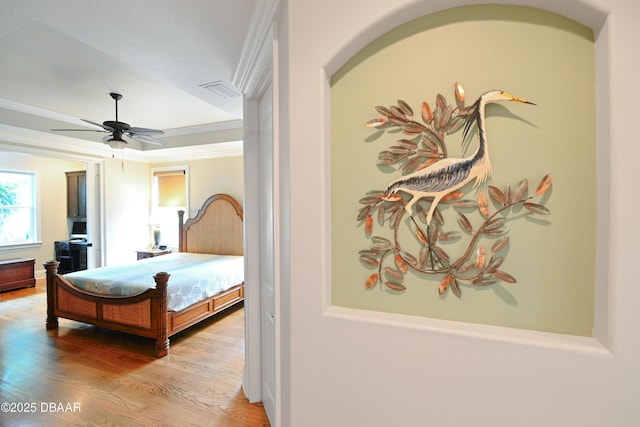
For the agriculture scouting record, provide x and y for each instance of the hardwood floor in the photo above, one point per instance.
(83, 375)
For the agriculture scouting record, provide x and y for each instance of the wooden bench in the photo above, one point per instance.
(17, 273)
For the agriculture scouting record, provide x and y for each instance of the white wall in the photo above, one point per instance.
(52, 200)
(127, 202)
(128, 198)
(345, 367)
(212, 176)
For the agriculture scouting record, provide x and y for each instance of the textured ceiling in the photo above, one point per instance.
(60, 60)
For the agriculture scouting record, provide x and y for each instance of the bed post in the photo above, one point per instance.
(181, 231)
(162, 339)
(52, 320)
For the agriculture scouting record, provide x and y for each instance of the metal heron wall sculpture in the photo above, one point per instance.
(431, 174)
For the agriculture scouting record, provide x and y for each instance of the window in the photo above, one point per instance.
(17, 208)
(169, 196)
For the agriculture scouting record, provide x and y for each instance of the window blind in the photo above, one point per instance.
(171, 188)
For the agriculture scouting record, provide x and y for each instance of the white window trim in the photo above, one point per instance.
(37, 220)
(154, 197)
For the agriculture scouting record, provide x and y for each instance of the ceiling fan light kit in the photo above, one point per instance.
(114, 142)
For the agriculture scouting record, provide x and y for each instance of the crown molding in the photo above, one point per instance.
(43, 144)
(256, 52)
(41, 112)
(210, 127)
(195, 152)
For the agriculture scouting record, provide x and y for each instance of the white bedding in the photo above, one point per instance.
(194, 277)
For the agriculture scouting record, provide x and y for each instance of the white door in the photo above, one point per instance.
(268, 249)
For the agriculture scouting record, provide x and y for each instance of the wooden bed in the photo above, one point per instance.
(216, 229)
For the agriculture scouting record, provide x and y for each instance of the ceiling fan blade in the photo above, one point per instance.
(100, 125)
(145, 138)
(145, 131)
(77, 130)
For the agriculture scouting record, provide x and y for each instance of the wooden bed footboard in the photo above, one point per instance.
(144, 314)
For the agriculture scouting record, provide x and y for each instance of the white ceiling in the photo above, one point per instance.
(61, 59)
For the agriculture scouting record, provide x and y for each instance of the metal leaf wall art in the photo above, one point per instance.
(432, 179)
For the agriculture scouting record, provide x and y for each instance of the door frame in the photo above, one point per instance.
(263, 79)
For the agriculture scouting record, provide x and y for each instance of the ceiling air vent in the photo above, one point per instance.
(222, 89)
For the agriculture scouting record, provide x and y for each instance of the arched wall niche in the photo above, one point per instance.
(379, 368)
(594, 324)
(585, 12)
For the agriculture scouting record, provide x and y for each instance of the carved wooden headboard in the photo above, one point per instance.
(216, 229)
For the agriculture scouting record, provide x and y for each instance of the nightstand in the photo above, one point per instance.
(150, 253)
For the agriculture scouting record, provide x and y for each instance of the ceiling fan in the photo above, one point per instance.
(120, 132)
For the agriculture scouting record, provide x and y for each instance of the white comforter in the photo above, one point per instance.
(194, 277)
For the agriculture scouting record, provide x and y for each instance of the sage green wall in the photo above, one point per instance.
(52, 200)
(536, 55)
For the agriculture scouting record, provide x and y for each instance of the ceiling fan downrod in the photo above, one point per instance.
(116, 97)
